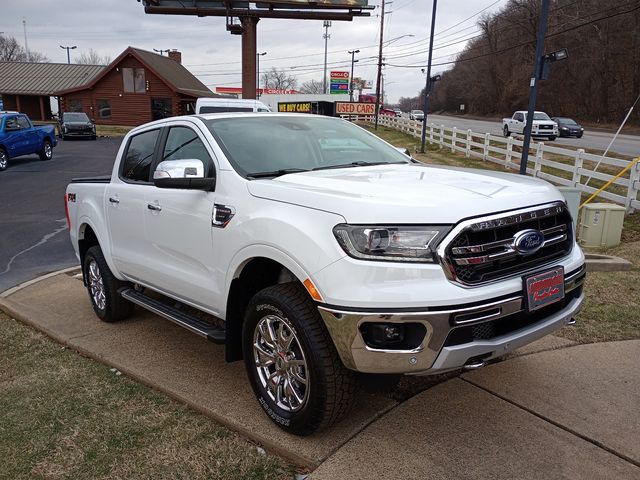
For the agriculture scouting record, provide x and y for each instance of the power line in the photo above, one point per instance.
(575, 27)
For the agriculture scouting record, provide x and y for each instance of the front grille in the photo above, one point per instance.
(508, 324)
(485, 249)
(545, 127)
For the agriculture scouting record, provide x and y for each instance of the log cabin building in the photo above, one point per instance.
(137, 87)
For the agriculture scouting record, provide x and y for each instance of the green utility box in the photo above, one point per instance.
(601, 225)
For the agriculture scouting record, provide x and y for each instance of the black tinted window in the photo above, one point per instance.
(225, 109)
(139, 155)
(182, 144)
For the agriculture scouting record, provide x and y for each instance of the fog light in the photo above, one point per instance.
(383, 334)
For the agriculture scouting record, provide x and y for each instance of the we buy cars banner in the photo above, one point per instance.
(344, 108)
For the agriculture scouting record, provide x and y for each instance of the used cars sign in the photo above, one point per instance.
(344, 108)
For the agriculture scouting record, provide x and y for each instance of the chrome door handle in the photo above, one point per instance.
(154, 207)
(113, 200)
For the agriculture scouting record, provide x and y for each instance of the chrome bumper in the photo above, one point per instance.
(431, 356)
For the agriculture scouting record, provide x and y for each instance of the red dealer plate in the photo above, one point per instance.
(544, 288)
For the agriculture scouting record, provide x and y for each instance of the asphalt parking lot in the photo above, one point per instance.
(33, 227)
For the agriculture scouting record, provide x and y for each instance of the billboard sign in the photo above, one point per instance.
(343, 108)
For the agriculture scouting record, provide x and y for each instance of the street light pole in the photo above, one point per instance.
(67, 49)
(258, 55)
(326, 36)
(428, 80)
(533, 93)
(353, 53)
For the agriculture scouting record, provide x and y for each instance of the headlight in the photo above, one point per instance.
(565, 128)
(391, 243)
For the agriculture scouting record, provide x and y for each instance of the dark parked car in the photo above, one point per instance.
(567, 127)
(77, 124)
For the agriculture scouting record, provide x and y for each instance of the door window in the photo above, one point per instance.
(11, 123)
(139, 156)
(182, 144)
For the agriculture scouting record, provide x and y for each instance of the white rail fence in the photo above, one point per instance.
(561, 166)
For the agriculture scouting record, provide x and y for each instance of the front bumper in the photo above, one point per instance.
(451, 341)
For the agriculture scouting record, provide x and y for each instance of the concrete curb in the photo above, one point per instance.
(28, 283)
(606, 263)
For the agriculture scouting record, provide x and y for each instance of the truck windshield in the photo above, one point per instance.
(263, 146)
(540, 116)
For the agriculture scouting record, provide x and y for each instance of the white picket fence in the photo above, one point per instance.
(574, 164)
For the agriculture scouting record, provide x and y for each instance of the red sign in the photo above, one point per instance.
(339, 75)
(343, 108)
(261, 91)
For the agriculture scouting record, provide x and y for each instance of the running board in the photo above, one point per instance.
(193, 324)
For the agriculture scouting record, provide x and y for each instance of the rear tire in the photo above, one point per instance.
(103, 287)
(47, 151)
(4, 159)
(505, 131)
(292, 364)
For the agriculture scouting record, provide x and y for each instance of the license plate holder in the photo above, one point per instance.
(544, 288)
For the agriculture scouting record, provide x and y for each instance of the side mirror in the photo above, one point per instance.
(186, 174)
(404, 150)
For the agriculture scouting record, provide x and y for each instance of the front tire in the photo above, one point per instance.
(505, 131)
(292, 364)
(47, 151)
(552, 138)
(103, 286)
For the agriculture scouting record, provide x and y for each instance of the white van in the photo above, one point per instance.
(219, 105)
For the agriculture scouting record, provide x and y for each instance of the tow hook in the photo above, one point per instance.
(571, 322)
(474, 364)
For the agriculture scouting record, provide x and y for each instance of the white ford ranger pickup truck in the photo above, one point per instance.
(314, 250)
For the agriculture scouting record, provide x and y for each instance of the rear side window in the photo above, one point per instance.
(23, 122)
(139, 156)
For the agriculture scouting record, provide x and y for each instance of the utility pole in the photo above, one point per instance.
(67, 49)
(258, 55)
(26, 45)
(375, 126)
(427, 87)
(326, 36)
(161, 51)
(353, 53)
(533, 93)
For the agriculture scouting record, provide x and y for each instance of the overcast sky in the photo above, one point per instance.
(213, 55)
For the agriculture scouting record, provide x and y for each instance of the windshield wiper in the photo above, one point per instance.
(359, 163)
(276, 173)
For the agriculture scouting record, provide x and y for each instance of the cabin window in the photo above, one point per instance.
(104, 108)
(133, 80)
(75, 105)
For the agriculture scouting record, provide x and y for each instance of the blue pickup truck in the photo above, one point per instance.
(18, 136)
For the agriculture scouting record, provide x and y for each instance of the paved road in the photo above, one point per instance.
(34, 238)
(625, 144)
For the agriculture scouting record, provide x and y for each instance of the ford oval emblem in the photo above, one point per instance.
(527, 242)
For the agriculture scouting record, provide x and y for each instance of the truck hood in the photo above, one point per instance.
(406, 193)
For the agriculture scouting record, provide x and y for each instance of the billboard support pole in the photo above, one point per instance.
(249, 59)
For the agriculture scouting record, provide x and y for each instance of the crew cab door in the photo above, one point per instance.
(518, 123)
(31, 136)
(178, 225)
(126, 207)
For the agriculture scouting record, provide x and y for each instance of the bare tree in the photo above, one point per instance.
(312, 86)
(278, 79)
(93, 58)
(10, 50)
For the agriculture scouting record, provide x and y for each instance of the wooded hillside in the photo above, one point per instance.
(597, 83)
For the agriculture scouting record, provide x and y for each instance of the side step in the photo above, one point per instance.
(204, 329)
